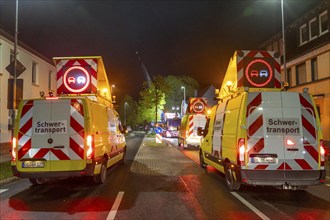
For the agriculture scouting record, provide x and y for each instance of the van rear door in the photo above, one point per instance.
(56, 136)
(281, 132)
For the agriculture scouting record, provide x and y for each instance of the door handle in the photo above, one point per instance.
(58, 147)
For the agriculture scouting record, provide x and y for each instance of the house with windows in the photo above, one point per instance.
(38, 77)
(307, 43)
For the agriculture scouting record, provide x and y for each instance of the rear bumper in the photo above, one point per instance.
(88, 171)
(195, 141)
(280, 178)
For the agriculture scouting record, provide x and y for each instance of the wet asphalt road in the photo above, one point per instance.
(157, 182)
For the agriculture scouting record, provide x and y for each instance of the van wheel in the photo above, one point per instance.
(231, 183)
(201, 160)
(122, 161)
(179, 142)
(37, 181)
(102, 176)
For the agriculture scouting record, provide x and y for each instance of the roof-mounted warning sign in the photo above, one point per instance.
(81, 75)
(252, 69)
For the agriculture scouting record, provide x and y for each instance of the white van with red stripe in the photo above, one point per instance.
(265, 136)
(66, 137)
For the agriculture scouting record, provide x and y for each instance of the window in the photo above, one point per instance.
(11, 59)
(50, 74)
(301, 77)
(314, 69)
(303, 34)
(288, 76)
(11, 116)
(34, 73)
(324, 22)
(313, 29)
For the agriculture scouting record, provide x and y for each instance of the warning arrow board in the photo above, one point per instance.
(19, 68)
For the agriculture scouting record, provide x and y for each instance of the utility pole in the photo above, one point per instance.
(156, 103)
(15, 69)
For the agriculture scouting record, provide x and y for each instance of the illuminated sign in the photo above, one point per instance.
(76, 79)
(198, 107)
(259, 73)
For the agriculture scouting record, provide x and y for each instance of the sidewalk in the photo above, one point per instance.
(5, 152)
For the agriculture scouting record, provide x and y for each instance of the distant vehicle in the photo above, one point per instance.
(172, 127)
(194, 118)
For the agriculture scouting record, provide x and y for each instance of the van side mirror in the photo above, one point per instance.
(124, 129)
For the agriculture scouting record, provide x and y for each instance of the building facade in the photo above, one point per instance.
(39, 76)
(307, 43)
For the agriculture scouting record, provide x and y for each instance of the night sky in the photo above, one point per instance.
(195, 38)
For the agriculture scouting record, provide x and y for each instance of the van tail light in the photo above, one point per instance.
(241, 151)
(13, 150)
(289, 142)
(322, 151)
(90, 147)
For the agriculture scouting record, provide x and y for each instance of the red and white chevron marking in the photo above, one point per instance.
(255, 138)
(308, 119)
(62, 65)
(75, 151)
(257, 54)
(25, 129)
(191, 125)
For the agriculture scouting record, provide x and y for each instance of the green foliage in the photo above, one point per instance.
(175, 94)
(163, 94)
(151, 98)
(131, 111)
(6, 171)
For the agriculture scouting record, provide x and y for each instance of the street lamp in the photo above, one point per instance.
(125, 104)
(184, 93)
(283, 35)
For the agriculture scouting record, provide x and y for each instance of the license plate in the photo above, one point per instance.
(33, 164)
(264, 160)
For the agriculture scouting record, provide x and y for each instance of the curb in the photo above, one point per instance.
(11, 179)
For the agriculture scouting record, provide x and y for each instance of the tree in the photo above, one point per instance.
(174, 93)
(128, 114)
(152, 100)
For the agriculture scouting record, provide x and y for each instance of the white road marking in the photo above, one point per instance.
(115, 206)
(254, 209)
(3, 190)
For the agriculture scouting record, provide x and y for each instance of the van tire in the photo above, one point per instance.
(36, 181)
(122, 161)
(201, 160)
(231, 183)
(101, 177)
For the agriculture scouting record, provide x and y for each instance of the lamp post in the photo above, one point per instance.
(184, 94)
(283, 35)
(125, 104)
